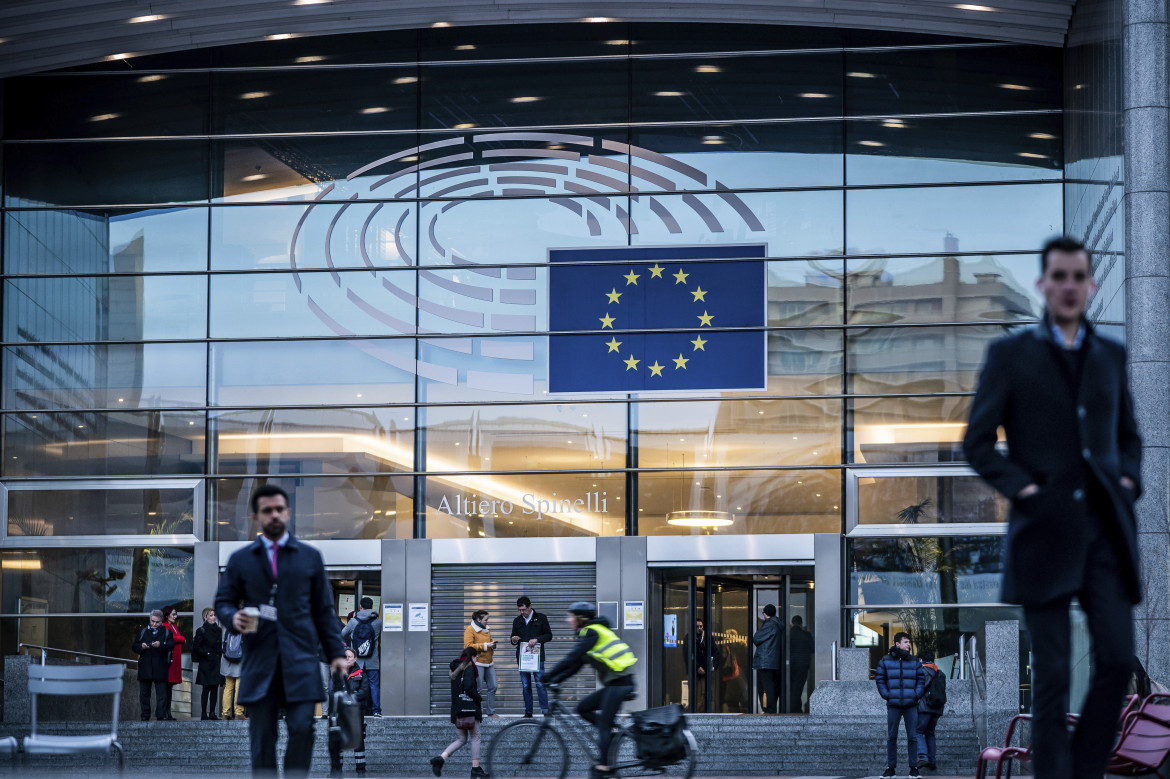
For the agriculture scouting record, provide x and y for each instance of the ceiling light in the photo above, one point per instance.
(282, 36)
(669, 94)
(526, 99)
(599, 19)
(151, 78)
(406, 80)
(713, 140)
(895, 123)
(23, 564)
(254, 95)
(871, 143)
(708, 69)
(694, 518)
(465, 47)
(1042, 136)
(856, 74)
(147, 18)
(1032, 156)
(307, 60)
(441, 24)
(378, 109)
(970, 7)
(116, 57)
(814, 95)
(617, 43)
(255, 177)
(463, 126)
(1016, 87)
(310, 2)
(103, 117)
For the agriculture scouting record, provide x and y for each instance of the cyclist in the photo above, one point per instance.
(599, 646)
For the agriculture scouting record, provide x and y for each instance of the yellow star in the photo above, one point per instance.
(631, 278)
(698, 342)
(613, 344)
(680, 361)
(656, 369)
(606, 321)
(680, 277)
(656, 271)
(631, 364)
(614, 295)
(705, 319)
(699, 293)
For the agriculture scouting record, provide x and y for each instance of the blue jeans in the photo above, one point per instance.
(894, 715)
(375, 690)
(526, 682)
(926, 724)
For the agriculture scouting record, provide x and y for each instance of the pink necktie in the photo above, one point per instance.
(275, 549)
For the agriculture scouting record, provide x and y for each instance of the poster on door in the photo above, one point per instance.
(670, 631)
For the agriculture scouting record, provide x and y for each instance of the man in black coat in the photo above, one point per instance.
(153, 645)
(1072, 474)
(800, 653)
(766, 659)
(531, 627)
(285, 579)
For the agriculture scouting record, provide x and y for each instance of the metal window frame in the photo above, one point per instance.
(855, 529)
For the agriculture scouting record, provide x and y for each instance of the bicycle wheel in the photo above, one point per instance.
(528, 749)
(623, 759)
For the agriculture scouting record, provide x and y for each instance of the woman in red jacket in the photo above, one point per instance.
(175, 675)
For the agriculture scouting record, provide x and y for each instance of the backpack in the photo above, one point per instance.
(364, 638)
(660, 734)
(233, 648)
(936, 691)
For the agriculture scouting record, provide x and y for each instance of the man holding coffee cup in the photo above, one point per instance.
(276, 593)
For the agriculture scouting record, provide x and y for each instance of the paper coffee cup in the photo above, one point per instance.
(253, 615)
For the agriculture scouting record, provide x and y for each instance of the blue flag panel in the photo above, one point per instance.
(644, 290)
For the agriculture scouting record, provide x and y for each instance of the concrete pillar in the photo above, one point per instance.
(1001, 651)
(827, 614)
(622, 575)
(206, 584)
(406, 654)
(1147, 291)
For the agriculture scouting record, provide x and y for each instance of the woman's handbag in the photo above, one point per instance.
(465, 714)
(345, 716)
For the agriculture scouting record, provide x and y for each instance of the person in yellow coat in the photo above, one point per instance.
(478, 635)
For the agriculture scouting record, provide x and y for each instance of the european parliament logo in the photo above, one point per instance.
(664, 324)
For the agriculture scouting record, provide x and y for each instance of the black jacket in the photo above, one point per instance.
(900, 679)
(800, 647)
(537, 628)
(767, 641)
(467, 683)
(207, 649)
(154, 664)
(1059, 441)
(356, 683)
(579, 655)
(305, 618)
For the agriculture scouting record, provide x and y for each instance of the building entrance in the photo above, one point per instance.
(701, 650)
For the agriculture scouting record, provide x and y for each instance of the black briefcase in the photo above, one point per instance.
(345, 716)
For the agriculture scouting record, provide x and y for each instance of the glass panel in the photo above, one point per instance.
(275, 305)
(513, 438)
(968, 148)
(311, 100)
(924, 500)
(684, 37)
(472, 300)
(106, 173)
(130, 241)
(524, 40)
(737, 88)
(105, 308)
(101, 511)
(110, 106)
(805, 293)
(803, 362)
(943, 289)
(932, 219)
(674, 503)
(738, 433)
(790, 223)
(947, 569)
(324, 508)
(346, 49)
(97, 444)
(326, 236)
(751, 156)
(943, 81)
(525, 95)
(118, 376)
(526, 505)
(730, 626)
(293, 373)
(319, 440)
(892, 360)
(909, 430)
(97, 581)
(109, 636)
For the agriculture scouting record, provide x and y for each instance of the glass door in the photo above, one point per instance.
(728, 606)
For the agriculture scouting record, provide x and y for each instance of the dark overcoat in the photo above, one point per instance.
(1057, 439)
(154, 664)
(305, 618)
(207, 649)
(767, 640)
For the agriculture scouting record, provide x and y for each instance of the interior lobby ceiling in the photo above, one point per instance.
(36, 35)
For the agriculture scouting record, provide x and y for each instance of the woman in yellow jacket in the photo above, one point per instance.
(479, 636)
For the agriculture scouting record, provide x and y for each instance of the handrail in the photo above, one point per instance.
(978, 689)
(833, 659)
(46, 649)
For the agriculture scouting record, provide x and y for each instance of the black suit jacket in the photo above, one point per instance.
(537, 628)
(305, 619)
(1057, 440)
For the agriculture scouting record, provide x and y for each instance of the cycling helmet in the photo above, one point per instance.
(583, 609)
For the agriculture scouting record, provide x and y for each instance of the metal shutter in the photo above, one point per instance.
(458, 590)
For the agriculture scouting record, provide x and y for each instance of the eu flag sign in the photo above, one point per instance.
(662, 322)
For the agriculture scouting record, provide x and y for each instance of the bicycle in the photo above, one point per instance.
(537, 748)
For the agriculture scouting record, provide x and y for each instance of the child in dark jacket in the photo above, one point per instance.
(356, 683)
(465, 697)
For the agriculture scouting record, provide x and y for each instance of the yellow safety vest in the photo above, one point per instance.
(610, 652)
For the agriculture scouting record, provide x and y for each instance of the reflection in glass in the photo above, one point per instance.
(442, 44)
(526, 505)
(738, 433)
(105, 308)
(479, 369)
(115, 580)
(545, 437)
(803, 362)
(109, 636)
(88, 376)
(918, 359)
(475, 300)
(738, 502)
(118, 241)
(934, 219)
(805, 292)
(324, 508)
(103, 444)
(946, 569)
(914, 290)
(924, 500)
(906, 430)
(95, 511)
(332, 440)
(292, 373)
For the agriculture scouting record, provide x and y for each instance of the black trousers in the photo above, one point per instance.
(160, 698)
(1085, 752)
(769, 681)
(798, 678)
(600, 708)
(262, 719)
(208, 700)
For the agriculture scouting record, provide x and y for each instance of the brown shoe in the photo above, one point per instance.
(243, 717)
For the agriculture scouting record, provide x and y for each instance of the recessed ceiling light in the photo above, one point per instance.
(1016, 87)
(713, 140)
(895, 123)
(465, 47)
(708, 69)
(970, 7)
(441, 24)
(526, 99)
(669, 94)
(1042, 136)
(377, 109)
(1030, 155)
(406, 79)
(871, 143)
(254, 95)
(147, 18)
(465, 126)
(103, 117)
(310, 2)
(857, 74)
(617, 42)
(280, 36)
(814, 95)
(255, 177)
(307, 60)
(151, 78)
(122, 56)
(595, 19)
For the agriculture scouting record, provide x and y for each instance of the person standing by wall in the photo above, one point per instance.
(930, 708)
(229, 665)
(800, 655)
(901, 682)
(364, 634)
(478, 635)
(207, 650)
(767, 659)
(153, 645)
(531, 628)
(175, 674)
(1072, 471)
(464, 697)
